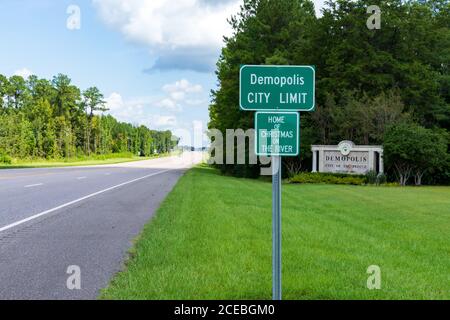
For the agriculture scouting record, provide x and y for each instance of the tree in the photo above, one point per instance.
(432, 153)
(413, 151)
(408, 53)
(358, 117)
(48, 119)
(66, 96)
(3, 90)
(40, 115)
(366, 80)
(16, 92)
(93, 100)
(16, 135)
(41, 88)
(265, 32)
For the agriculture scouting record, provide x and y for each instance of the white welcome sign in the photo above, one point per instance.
(347, 158)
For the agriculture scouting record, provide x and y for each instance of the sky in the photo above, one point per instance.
(154, 60)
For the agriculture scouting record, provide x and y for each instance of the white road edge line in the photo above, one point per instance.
(81, 178)
(34, 185)
(15, 224)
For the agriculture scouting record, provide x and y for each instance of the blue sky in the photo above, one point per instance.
(152, 59)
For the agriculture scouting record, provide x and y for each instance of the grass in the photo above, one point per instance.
(85, 161)
(211, 239)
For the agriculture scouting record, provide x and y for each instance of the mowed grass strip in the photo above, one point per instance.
(211, 239)
(74, 162)
(69, 163)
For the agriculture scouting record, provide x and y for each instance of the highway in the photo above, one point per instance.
(87, 217)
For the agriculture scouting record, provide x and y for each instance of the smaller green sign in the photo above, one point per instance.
(277, 134)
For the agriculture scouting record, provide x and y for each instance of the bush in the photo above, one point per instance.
(4, 158)
(328, 178)
(381, 179)
(371, 177)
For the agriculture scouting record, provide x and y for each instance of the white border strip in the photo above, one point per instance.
(34, 185)
(15, 224)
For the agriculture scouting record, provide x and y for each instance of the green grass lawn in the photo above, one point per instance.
(87, 161)
(211, 239)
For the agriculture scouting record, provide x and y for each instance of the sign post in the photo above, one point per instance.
(276, 228)
(277, 134)
(278, 93)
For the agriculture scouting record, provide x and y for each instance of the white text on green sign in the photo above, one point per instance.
(277, 133)
(284, 88)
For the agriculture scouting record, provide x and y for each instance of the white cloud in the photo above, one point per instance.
(196, 102)
(171, 29)
(126, 111)
(179, 93)
(24, 73)
(180, 89)
(139, 111)
(168, 104)
(163, 121)
(114, 101)
(184, 86)
(169, 24)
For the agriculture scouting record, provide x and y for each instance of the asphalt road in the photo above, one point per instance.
(87, 217)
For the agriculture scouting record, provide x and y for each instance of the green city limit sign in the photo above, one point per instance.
(282, 88)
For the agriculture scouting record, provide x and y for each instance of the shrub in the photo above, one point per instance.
(328, 178)
(4, 158)
(381, 179)
(371, 177)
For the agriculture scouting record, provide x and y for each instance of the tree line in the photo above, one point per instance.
(369, 82)
(54, 119)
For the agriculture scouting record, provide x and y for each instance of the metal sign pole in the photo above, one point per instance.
(276, 226)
